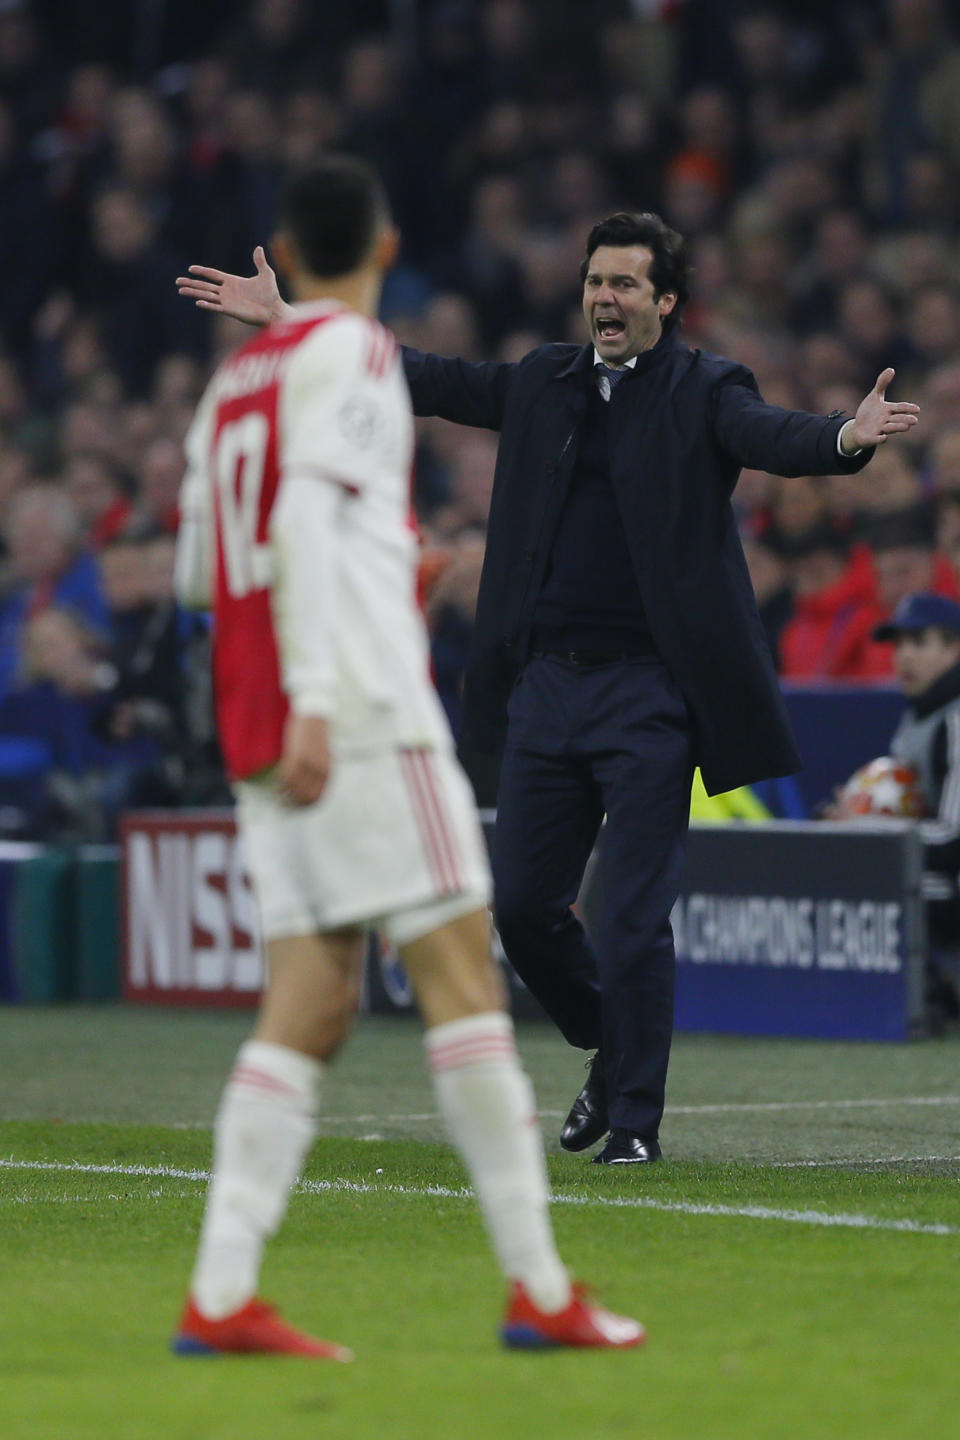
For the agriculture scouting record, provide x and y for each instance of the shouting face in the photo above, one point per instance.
(622, 313)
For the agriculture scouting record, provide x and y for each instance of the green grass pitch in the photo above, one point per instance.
(796, 1257)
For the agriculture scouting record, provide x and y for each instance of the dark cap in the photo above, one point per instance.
(920, 612)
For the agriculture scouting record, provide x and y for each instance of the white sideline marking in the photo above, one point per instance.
(641, 1202)
(865, 1160)
(732, 1108)
(815, 1104)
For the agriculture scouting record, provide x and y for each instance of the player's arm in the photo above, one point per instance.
(193, 572)
(333, 419)
(254, 299)
(470, 394)
(458, 390)
(304, 530)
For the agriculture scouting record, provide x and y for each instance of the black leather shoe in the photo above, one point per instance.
(625, 1148)
(588, 1120)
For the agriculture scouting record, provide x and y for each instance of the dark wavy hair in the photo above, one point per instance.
(669, 270)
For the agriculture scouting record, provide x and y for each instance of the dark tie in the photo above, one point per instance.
(608, 379)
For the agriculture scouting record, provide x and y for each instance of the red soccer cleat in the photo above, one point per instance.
(254, 1329)
(580, 1324)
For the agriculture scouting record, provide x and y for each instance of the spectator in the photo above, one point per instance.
(944, 460)
(905, 559)
(48, 566)
(815, 174)
(913, 84)
(839, 256)
(770, 578)
(894, 485)
(251, 168)
(450, 324)
(933, 324)
(158, 486)
(128, 279)
(948, 528)
(827, 360)
(925, 632)
(752, 500)
(870, 324)
(901, 560)
(487, 261)
(55, 703)
(28, 79)
(941, 395)
(844, 497)
(28, 253)
(13, 400)
(633, 145)
(471, 484)
(272, 44)
(828, 636)
(149, 638)
(99, 496)
(798, 506)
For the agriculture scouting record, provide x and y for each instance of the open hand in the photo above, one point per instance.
(877, 418)
(255, 299)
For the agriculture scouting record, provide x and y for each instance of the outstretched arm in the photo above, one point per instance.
(255, 299)
(467, 393)
(453, 389)
(792, 442)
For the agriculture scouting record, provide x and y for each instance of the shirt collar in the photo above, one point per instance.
(306, 309)
(598, 360)
(582, 360)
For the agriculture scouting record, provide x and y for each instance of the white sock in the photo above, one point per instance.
(264, 1127)
(488, 1104)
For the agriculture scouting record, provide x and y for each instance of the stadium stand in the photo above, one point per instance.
(809, 153)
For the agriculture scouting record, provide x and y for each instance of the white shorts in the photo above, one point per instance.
(393, 843)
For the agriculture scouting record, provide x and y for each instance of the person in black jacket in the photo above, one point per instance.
(617, 643)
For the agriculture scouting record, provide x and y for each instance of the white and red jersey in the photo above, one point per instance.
(296, 529)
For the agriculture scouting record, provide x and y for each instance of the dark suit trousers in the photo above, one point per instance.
(582, 742)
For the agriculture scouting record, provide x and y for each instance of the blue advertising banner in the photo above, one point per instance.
(785, 928)
(802, 929)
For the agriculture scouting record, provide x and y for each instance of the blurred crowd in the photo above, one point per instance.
(811, 155)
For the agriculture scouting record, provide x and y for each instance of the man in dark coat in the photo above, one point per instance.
(617, 643)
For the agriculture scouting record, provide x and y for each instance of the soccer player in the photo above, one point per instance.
(296, 530)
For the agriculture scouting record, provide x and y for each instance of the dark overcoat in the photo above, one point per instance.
(680, 431)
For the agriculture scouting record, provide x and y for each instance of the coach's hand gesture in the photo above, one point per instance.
(305, 764)
(877, 418)
(255, 299)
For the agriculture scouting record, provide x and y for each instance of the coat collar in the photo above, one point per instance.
(941, 692)
(582, 362)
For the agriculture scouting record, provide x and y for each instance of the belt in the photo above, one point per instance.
(584, 658)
